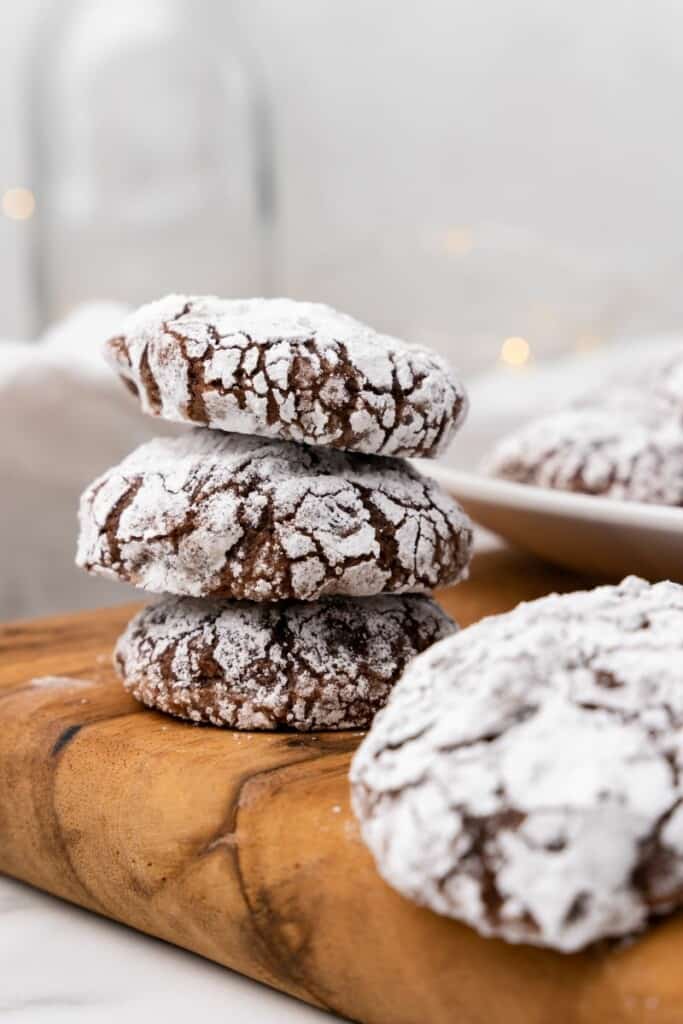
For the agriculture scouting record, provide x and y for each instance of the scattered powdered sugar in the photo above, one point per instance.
(59, 682)
(215, 513)
(612, 451)
(525, 776)
(324, 665)
(299, 371)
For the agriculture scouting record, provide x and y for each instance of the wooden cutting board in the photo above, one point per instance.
(242, 847)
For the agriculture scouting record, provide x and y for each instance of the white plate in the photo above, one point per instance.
(598, 536)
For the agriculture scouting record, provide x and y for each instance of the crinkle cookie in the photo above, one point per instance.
(329, 664)
(243, 517)
(299, 371)
(651, 386)
(606, 452)
(525, 776)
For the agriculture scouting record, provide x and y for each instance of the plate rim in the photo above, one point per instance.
(475, 487)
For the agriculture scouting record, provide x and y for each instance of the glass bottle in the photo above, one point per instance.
(153, 157)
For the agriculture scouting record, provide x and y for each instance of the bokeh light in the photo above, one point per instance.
(18, 203)
(515, 351)
(586, 342)
(459, 241)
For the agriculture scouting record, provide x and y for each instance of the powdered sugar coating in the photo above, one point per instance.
(261, 520)
(525, 776)
(650, 387)
(665, 381)
(614, 452)
(299, 371)
(325, 665)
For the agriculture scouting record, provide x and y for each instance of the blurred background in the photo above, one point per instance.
(499, 181)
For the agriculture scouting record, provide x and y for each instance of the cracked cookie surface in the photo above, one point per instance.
(327, 664)
(298, 371)
(525, 776)
(607, 452)
(262, 520)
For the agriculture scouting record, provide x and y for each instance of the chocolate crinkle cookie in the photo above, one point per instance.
(329, 664)
(610, 452)
(525, 776)
(298, 371)
(649, 386)
(221, 514)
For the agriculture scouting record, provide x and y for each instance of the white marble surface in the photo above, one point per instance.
(63, 965)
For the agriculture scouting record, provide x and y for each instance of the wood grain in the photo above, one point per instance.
(242, 847)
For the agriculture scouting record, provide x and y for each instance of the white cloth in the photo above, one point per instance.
(64, 418)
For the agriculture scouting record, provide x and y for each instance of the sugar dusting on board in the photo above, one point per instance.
(57, 682)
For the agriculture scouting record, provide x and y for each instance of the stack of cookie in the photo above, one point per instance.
(299, 542)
